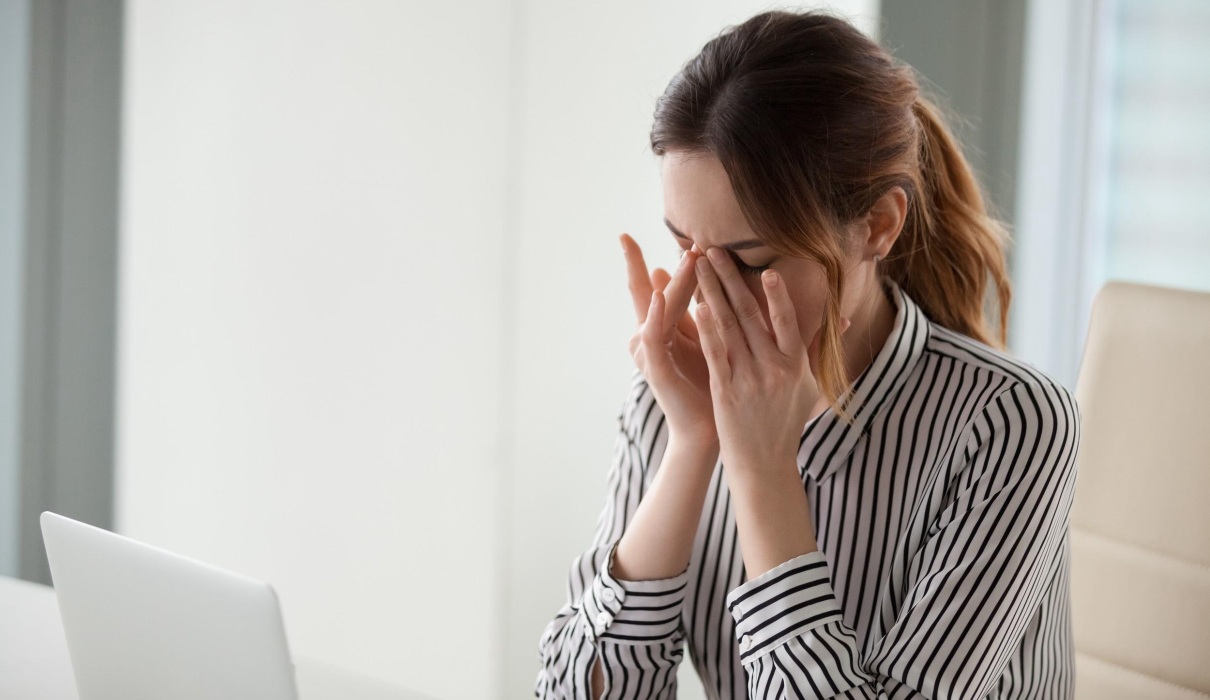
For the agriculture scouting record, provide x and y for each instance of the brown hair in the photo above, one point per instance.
(814, 122)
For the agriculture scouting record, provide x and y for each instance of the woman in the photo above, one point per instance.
(903, 534)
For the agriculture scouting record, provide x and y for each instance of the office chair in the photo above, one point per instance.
(1140, 527)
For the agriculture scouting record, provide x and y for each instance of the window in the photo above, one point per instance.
(1112, 179)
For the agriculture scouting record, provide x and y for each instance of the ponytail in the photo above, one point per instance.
(950, 244)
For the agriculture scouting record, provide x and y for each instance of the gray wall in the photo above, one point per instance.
(972, 51)
(14, 48)
(62, 94)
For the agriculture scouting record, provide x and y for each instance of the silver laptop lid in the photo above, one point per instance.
(143, 623)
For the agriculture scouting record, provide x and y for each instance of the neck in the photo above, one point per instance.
(873, 322)
(869, 331)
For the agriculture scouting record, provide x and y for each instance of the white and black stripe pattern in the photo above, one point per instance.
(942, 519)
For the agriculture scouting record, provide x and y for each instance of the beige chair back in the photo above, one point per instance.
(1141, 516)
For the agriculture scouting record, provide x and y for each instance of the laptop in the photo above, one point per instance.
(143, 623)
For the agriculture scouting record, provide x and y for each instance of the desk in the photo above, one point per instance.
(35, 664)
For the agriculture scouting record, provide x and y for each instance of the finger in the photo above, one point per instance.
(743, 304)
(721, 315)
(654, 346)
(782, 314)
(680, 288)
(638, 280)
(688, 327)
(684, 320)
(712, 345)
(660, 278)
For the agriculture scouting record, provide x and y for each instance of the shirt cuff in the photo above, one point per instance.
(782, 603)
(639, 612)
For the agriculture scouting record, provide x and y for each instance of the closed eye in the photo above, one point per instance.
(742, 266)
(748, 269)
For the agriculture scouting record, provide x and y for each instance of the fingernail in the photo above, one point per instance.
(771, 278)
(715, 254)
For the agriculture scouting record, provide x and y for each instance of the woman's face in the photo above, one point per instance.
(700, 210)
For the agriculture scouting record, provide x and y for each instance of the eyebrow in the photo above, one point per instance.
(742, 245)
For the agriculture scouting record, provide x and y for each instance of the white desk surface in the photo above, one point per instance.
(35, 665)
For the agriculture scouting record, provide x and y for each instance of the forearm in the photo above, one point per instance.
(658, 541)
(772, 517)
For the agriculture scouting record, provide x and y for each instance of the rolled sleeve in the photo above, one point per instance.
(792, 609)
(637, 612)
(786, 601)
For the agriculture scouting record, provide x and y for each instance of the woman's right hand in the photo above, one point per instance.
(665, 344)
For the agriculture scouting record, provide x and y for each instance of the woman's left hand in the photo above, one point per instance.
(762, 381)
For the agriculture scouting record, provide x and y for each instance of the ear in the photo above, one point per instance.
(884, 222)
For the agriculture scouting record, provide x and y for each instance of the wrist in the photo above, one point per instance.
(773, 517)
(777, 465)
(696, 453)
(755, 479)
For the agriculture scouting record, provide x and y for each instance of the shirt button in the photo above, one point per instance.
(739, 614)
(745, 642)
(603, 620)
(608, 595)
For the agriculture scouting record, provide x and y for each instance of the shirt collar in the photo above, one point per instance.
(827, 440)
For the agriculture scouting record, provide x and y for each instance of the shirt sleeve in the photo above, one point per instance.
(632, 626)
(972, 584)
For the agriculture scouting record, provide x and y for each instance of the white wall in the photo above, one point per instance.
(373, 328)
(313, 222)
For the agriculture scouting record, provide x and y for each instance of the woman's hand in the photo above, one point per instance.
(666, 347)
(762, 381)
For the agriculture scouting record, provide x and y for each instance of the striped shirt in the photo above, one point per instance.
(943, 565)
